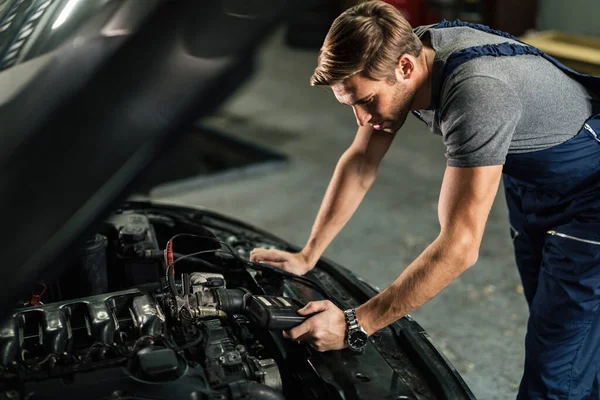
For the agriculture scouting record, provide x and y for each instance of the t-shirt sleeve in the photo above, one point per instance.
(478, 117)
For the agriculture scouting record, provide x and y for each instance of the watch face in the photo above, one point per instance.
(357, 339)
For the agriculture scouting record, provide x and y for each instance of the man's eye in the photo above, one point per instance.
(371, 100)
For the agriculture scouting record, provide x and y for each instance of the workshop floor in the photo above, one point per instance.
(479, 320)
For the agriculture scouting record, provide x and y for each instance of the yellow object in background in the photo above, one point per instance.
(582, 53)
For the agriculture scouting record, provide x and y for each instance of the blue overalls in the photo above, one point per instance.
(553, 198)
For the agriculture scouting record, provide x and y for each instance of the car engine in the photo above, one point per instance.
(119, 323)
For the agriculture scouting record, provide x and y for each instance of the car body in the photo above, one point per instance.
(93, 304)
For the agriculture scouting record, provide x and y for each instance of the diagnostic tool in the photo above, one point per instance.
(276, 312)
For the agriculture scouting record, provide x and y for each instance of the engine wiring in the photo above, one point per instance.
(170, 269)
(36, 299)
(120, 348)
(224, 352)
(93, 347)
(188, 317)
(171, 258)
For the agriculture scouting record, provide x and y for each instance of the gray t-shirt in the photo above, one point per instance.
(493, 106)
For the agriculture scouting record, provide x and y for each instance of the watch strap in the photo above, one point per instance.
(351, 320)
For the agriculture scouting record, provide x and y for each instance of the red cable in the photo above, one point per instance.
(36, 298)
(169, 256)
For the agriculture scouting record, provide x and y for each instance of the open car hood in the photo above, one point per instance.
(90, 93)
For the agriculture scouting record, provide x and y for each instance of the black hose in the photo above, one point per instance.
(197, 260)
(172, 285)
(185, 284)
(232, 301)
(159, 254)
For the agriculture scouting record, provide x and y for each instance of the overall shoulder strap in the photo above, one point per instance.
(507, 49)
(591, 82)
(458, 23)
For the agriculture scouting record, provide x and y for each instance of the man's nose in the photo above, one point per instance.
(362, 116)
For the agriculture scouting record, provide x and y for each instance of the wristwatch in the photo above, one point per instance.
(356, 336)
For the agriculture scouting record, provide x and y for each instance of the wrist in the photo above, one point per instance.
(310, 257)
(356, 336)
(363, 320)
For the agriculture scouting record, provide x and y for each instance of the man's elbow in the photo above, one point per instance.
(463, 251)
(356, 166)
(470, 258)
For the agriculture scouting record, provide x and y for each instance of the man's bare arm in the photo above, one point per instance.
(354, 175)
(466, 198)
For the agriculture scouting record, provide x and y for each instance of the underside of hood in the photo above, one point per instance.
(83, 117)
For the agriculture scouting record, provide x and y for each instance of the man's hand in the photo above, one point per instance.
(295, 263)
(324, 331)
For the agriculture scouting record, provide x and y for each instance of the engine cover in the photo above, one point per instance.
(75, 325)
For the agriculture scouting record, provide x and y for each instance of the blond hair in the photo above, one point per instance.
(366, 39)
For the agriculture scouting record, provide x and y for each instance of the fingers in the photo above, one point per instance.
(261, 257)
(315, 307)
(299, 331)
(260, 254)
(324, 331)
(273, 257)
(306, 327)
(255, 253)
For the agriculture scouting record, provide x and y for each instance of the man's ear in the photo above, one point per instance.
(405, 67)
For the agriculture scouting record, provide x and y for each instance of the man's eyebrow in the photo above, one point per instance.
(361, 101)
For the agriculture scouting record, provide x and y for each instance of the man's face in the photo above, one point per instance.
(381, 104)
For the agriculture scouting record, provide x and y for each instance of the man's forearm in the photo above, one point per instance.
(350, 182)
(422, 280)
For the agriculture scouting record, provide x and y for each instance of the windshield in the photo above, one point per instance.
(30, 28)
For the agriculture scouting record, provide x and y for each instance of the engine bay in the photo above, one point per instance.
(160, 305)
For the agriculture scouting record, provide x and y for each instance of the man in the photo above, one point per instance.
(504, 110)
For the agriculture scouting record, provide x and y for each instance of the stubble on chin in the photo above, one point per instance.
(402, 109)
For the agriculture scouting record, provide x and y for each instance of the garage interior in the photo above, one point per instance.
(479, 321)
(267, 156)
